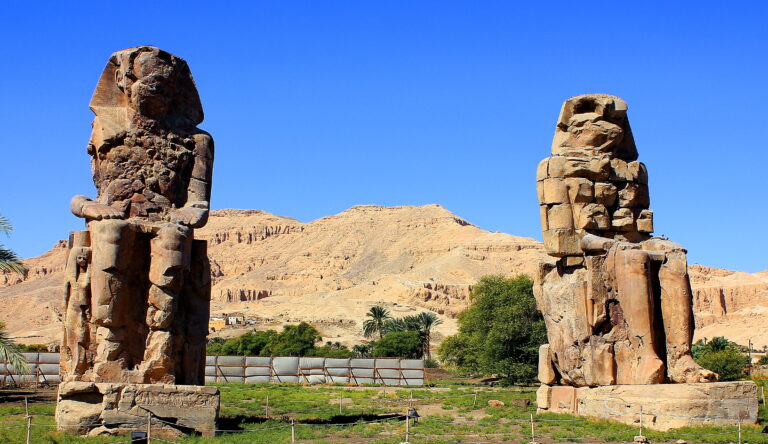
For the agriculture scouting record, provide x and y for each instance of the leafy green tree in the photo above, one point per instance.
(378, 317)
(500, 333)
(294, 340)
(332, 350)
(455, 352)
(763, 360)
(213, 347)
(722, 357)
(402, 344)
(423, 323)
(248, 344)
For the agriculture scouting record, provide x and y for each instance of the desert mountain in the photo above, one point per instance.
(330, 271)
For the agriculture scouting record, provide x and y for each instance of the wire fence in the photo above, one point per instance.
(400, 411)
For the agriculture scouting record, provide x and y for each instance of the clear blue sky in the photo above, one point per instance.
(321, 105)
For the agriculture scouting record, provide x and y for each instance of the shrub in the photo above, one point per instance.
(500, 333)
(249, 344)
(403, 344)
(294, 340)
(722, 357)
(33, 348)
(332, 350)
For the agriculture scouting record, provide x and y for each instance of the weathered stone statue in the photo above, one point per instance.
(616, 301)
(626, 296)
(138, 283)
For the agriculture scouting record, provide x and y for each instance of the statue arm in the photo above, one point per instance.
(86, 208)
(591, 242)
(195, 211)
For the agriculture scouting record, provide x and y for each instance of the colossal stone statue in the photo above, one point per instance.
(616, 301)
(138, 283)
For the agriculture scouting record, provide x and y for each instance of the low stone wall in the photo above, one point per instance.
(664, 406)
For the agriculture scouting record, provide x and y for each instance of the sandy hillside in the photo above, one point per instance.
(332, 270)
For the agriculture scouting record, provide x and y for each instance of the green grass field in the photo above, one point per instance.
(450, 413)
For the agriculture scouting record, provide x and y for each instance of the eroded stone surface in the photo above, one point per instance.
(88, 408)
(617, 302)
(665, 406)
(137, 282)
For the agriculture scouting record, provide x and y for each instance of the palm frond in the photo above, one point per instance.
(9, 262)
(5, 226)
(10, 353)
(370, 328)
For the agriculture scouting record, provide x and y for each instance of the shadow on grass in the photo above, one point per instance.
(235, 423)
(11, 396)
(352, 419)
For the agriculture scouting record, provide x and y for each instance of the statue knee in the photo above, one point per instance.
(171, 253)
(110, 235)
(634, 259)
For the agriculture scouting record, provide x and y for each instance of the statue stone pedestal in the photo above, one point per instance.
(88, 408)
(664, 406)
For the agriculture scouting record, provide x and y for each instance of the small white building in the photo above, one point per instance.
(235, 318)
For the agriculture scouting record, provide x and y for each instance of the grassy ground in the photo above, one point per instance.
(451, 412)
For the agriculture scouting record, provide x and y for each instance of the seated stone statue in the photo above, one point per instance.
(149, 279)
(617, 302)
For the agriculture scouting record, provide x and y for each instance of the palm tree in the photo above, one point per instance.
(10, 353)
(427, 320)
(718, 343)
(407, 323)
(9, 262)
(378, 317)
(362, 350)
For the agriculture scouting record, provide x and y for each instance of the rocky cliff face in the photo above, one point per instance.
(730, 303)
(332, 270)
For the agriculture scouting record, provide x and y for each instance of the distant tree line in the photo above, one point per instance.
(293, 340)
(407, 337)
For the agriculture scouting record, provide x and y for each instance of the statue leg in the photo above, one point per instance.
(80, 341)
(111, 294)
(196, 304)
(169, 266)
(677, 311)
(636, 299)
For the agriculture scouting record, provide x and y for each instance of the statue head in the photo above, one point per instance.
(82, 255)
(592, 183)
(144, 86)
(593, 125)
